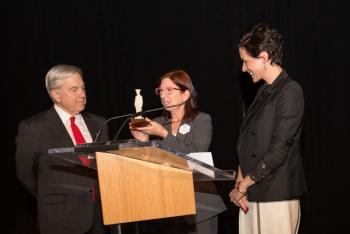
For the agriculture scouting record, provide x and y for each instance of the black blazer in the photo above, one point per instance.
(62, 189)
(271, 131)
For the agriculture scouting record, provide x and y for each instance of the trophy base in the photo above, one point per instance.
(139, 123)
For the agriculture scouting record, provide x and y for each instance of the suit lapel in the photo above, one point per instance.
(90, 124)
(260, 90)
(248, 120)
(54, 124)
(167, 126)
(254, 112)
(181, 136)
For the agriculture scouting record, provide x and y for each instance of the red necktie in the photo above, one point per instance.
(79, 139)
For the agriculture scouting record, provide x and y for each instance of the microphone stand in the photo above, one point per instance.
(97, 136)
(121, 127)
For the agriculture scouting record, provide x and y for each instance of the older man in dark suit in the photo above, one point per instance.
(67, 193)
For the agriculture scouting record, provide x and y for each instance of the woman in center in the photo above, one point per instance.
(183, 128)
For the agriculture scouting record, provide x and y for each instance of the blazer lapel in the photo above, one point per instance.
(255, 110)
(90, 124)
(167, 126)
(260, 90)
(55, 125)
(180, 136)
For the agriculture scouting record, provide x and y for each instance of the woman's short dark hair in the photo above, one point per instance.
(262, 37)
(184, 82)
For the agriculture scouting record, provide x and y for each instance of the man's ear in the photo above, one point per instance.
(56, 95)
(264, 56)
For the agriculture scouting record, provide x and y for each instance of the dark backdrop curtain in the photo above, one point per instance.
(125, 44)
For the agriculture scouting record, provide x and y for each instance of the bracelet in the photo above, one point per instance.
(240, 190)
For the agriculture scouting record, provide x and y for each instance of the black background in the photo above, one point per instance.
(126, 44)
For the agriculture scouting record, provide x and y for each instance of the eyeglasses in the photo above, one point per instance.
(167, 90)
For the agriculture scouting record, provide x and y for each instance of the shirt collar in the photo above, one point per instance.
(64, 115)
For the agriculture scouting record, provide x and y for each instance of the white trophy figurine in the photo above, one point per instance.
(138, 121)
(138, 103)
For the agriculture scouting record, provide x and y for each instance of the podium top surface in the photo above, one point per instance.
(152, 151)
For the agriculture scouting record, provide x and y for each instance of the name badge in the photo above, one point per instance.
(185, 128)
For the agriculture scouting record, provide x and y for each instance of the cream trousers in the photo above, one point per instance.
(281, 217)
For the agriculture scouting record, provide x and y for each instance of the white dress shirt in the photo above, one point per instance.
(79, 121)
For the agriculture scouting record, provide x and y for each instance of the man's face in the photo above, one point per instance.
(70, 95)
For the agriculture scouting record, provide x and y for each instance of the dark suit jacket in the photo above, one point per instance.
(62, 189)
(208, 202)
(271, 131)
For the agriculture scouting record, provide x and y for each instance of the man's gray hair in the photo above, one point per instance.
(58, 73)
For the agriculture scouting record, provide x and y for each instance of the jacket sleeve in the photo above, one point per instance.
(25, 157)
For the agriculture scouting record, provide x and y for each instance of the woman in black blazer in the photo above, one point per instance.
(183, 128)
(270, 178)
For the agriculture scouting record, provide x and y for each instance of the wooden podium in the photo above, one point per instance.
(132, 189)
(145, 180)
